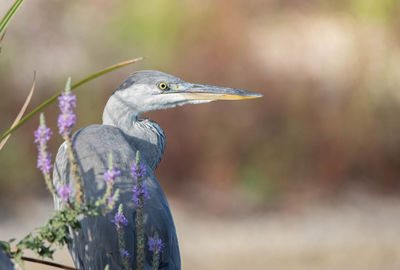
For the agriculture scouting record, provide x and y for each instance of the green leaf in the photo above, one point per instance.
(5, 246)
(18, 259)
(56, 232)
(10, 13)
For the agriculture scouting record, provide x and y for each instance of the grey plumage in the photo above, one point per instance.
(96, 244)
(122, 134)
(5, 262)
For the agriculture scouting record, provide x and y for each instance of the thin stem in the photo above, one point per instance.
(28, 259)
(49, 184)
(121, 241)
(10, 13)
(140, 221)
(75, 171)
(156, 254)
(156, 260)
(140, 236)
(23, 109)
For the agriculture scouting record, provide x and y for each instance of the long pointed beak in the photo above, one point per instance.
(209, 92)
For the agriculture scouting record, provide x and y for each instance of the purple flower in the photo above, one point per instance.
(65, 122)
(139, 191)
(42, 136)
(155, 244)
(138, 171)
(67, 101)
(43, 133)
(44, 162)
(63, 192)
(119, 220)
(67, 118)
(110, 175)
(125, 253)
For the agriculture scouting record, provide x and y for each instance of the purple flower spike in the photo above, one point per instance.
(63, 192)
(42, 136)
(119, 220)
(67, 101)
(139, 191)
(43, 133)
(44, 162)
(155, 244)
(110, 175)
(125, 253)
(65, 122)
(138, 171)
(67, 118)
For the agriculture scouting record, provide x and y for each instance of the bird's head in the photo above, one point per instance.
(152, 90)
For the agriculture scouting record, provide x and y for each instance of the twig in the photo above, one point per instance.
(28, 259)
(23, 109)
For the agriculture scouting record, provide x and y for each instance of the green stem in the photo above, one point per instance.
(49, 184)
(156, 254)
(75, 171)
(140, 222)
(10, 13)
(140, 236)
(156, 260)
(53, 98)
(125, 261)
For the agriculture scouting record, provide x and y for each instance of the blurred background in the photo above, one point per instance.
(307, 177)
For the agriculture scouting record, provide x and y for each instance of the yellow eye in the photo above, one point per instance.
(162, 86)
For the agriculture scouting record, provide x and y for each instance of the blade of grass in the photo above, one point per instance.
(21, 112)
(53, 98)
(10, 13)
(2, 36)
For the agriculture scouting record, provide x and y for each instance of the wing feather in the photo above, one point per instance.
(96, 243)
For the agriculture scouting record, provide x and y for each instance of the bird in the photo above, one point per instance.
(122, 133)
(5, 262)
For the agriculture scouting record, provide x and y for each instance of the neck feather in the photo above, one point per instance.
(143, 134)
(118, 113)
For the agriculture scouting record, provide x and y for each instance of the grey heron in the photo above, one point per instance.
(122, 133)
(5, 262)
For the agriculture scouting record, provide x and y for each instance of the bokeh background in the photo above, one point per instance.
(306, 177)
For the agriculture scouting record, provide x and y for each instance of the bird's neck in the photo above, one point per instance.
(143, 134)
